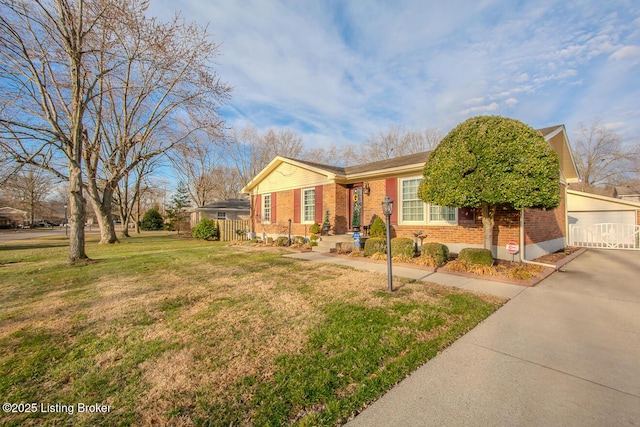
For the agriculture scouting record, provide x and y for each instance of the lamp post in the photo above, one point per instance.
(387, 208)
(66, 226)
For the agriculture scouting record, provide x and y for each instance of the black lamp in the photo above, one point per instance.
(387, 208)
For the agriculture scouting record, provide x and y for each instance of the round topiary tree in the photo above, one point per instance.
(488, 161)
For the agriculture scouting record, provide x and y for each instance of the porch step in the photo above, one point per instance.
(329, 243)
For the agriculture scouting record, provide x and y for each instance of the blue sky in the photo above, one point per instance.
(340, 71)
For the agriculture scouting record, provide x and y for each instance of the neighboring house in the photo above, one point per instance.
(301, 192)
(601, 221)
(627, 192)
(231, 209)
(12, 218)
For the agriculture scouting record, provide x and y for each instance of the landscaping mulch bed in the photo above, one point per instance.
(502, 269)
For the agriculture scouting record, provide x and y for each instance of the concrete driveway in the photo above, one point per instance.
(566, 352)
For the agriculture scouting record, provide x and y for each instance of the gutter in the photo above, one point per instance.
(523, 246)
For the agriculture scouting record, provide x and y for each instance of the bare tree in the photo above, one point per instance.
(249, 151)
(47, 85)
(397, 141)
(128, 193)
(29, 188)
(600, 155)
(164, 91)
(196, 164)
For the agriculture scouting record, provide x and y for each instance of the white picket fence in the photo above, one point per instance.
(605, 236)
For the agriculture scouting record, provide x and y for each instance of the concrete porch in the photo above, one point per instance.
(330, 243)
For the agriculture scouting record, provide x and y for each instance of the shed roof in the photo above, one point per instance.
(228, 205)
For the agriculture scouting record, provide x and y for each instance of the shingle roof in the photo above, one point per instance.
(229, 205)
(330, 168)
(389, 163)
(372, 166)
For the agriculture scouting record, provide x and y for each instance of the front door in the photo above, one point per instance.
(355, 206)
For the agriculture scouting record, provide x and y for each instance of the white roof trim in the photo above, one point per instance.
(604, 198)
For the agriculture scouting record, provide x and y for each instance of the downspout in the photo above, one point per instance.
(523, 245)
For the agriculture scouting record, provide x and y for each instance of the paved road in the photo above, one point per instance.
(566, 352)
(7, 235)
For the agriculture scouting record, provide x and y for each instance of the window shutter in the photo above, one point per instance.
(318, 206)
(258, 207)
(391, 186)
(296, 206)
(273, 207)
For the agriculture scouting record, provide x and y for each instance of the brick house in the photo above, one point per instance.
(301, 192)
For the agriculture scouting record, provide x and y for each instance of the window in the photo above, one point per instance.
(266, 207)
(308, 206)
(415, 211)
(222, 216)
(442, 214)
(412, 206)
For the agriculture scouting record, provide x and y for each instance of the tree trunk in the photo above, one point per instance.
(102, 208)
(125, 214)
(76, 215)
(124, 230)
(488, 214)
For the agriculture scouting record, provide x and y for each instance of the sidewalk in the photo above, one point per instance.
(503, 290)
(563, 353)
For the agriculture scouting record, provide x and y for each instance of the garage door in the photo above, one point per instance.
(611, 229)
(611, 217)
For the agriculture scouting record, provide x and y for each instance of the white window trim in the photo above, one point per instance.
(302, 193)
(453, 222)
(425, 210)
(218, 216)
(401, 204)
(266, 219)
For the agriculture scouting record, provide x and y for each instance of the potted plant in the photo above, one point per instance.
(315, 231)
(326, 225)
(355, 220)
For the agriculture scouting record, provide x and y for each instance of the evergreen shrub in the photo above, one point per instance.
(378, 228)
(402, 246)
(476, 256)
(282, 241)
(152, 220)
(375, 245)
(437, 251)
(207, 229)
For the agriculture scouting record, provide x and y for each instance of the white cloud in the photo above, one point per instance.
(626, 52)
(474, 101)
(340, 71)
(480, 109)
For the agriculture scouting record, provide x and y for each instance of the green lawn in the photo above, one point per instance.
(172, 330)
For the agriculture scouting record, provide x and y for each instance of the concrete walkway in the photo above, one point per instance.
(470, 284)
(566, 352)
